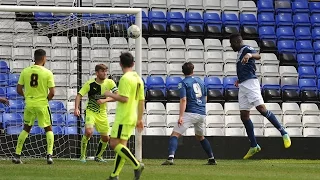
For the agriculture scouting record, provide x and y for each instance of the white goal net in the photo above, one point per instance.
(75, 40)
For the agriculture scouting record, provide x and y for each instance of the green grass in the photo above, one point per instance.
(183, 170)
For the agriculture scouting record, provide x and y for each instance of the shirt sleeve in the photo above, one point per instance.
(182, 90)
(141, 91)
(205, 91)
(124, 87)
(51, 80)
(85, 89)
(251, 50)
(21, 79)
(112, 86)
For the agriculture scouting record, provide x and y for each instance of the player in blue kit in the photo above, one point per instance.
(193, 99)
(250, 94)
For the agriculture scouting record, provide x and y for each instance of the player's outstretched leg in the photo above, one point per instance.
(207, 148)
(50, 140)
(21, 139)
(272, 118)
(103, 143)
(84, 143)
(254, 147)
(173, 145)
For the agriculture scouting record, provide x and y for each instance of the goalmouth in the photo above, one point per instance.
(137, 12)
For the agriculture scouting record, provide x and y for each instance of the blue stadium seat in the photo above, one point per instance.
(158, 23)
(318, 72)
(230, 23)
(267, 32)
(176, 24)
(120, 22)
(57, 130)
(3, 108)
(265, 6)
(3, 79)
(307, 72)
(71, 120)
(3, 91)
(285, 33)
(215, 89)
(317, 59)
(284, 20)
(44, 18)
(172, 82)
(213, 25)
(315, 20)
(145, 22)
(305, 59)
(57, 107)
(100, 25)
(266, 19)
(36, 130)
(308, 90)
(301, 20)
(300, 7)
(304, 46)
(12, 119)
(282, 6)
(316, 47)
(155, 82)
(314, 7)
(14, 130)
(4, 68)
(316, 33)
(70, 130)
(12, 93)
(303, 33)
(195, 24)
(230, 90)
(1, 121)
(13, 79)
(286, 46)
(16, 106)
(249, 26)
(58, 119)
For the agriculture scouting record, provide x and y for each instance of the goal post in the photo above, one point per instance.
(137, 12)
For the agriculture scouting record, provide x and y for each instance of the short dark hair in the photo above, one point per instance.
(187, 68)
(126, 60)
(100, 67)
(39, 54)
(235, 36)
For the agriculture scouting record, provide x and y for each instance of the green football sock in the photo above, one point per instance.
(84, 143)
(118, 165)
(125, 153)
(22, 137)
(101, 148)
(50, 140)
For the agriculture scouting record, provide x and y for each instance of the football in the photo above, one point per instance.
(134, 32)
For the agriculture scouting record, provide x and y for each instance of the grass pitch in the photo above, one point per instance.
(37, 169)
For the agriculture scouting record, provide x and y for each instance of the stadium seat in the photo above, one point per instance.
(271, 132)
(112, 108)
(72, 120)
(307, 72)
(290, 89)
(266, 19)
(233, 121)
(6, 39)
(155, 95)
(22, 27)
(102, 3)
(171, 121)
(16, 106)
(194, 44)
(4, 68)
(21, 53)
(308, 89)
(61, 80)
(99, 43)
(214, 109)
(213, 57)
(12, 119)
(227, 5)
(175, 56)
(157, 68)
(58, 130)
(60, 42)
(172, 82)
(12, 93)
(4, 79)
(175, 43)
(70, 130)
(294, 131)
(230, 23)
(305, 59)
(265, 6)
(309, 109)
(304, 46)
(156, 121)
(284, 20)
(58, 119)
(155, 132)
(173, 69)
(118, 43)
(172, 108)
(292, 121)
(231, 108)
(176, 24)
(291, 108)
(286, 46)
(36, 130)
(234, 132)
(270, 71)
(22, 41)
(212, 44)
(213, 25)
(231, 92)
(288, 59)
(311, 121)
(214, 69)
(197, 5)
(311, 132)
(230, 69)
(300, 7)
(195, 24)
(155, 108)
(271, 89)
(215, 89)
(157, 56)
(155, 82)
(226, 45)
(285, 33)
(215, 131)
(194, 56)
(249, 26)
(57, 107)
(247, 7)
(316, 33)
(199, 69)
(132, 44)
(301, 20)
(314, 7)
(156, 43)
(282, 7)
(41, 41)
(257, 120)
(14, 130)
(174, 4)
(158, 23)
(315, 20)
(269, 59)
(7, 25)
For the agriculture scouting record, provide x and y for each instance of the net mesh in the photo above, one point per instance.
(103, 36)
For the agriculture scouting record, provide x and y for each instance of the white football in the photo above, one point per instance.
(134, 31)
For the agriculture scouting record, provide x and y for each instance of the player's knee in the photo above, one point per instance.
(262, 109)
(244, 115)
(199, 138)
(88, 133)
(27, 128)
(113, 143)
(105, 138)
(47, 129)
(175, 134)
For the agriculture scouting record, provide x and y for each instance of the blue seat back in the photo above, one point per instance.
(316, 33)
(58, 119)
(59, 130)
(213, 82)
(230, 18)
(3, 79)
(266, 19)
(314, 7)
(155, 82)
(267, 32)
(57, 107)
(172, 82)
(212, 18)
(13, 79)
(306, 72)
(16, 106)
(4, 68)
(3, 91)
(301, 19)
(265, 6)
(175, 17)
(284, 19)
(285, 33)
(36, 130)
(157, 16)
(286, 46)
(71, 120)
(228, 82)
(12, 93)
(303, 33)
(315, 20)
(14, 130)
(304, 46)
(307, 84)
(70, 130)
(300, 6)
(193, 17)
(12, 119)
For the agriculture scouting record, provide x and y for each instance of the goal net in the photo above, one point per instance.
(75, 40)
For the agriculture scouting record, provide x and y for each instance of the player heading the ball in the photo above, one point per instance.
(36, 80)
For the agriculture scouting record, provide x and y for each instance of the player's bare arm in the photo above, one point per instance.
(77, 104)
(108, 99)
(4, 101)
(116, 97)
(139, 125)
(20, 90)
(51, 93)
(183, 105)
(255, 56)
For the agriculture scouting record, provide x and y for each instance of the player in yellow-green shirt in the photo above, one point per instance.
(96, 110)
(130, 100)
(36, 80)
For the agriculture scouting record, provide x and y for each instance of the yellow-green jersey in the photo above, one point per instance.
(132, 87)
(36, 81)
(95, 92)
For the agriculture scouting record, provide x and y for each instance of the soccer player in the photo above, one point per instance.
(96, 110)
(36, 80)
(130, 98)
(193, 99)
(250, 93)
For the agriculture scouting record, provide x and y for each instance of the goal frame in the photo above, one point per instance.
(97, 10)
